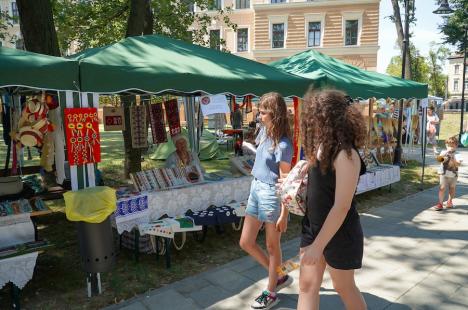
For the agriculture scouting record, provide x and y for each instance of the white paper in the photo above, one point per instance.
(214, 104)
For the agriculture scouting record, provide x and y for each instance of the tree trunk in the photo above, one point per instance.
(401, 37)
(140, 21)
(37, 26)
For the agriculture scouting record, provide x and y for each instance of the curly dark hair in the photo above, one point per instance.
(329, 122)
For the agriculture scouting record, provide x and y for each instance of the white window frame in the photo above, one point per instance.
(278, 19)
(235, 6)
(270, 2)
(314, 17)
(248, 38)
(456, 69)
(351, 16)
(197, 8)
(458, 85)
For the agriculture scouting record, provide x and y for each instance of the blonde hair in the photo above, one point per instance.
(452, 141)
(273, 103)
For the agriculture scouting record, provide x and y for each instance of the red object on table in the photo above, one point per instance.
(231, 132)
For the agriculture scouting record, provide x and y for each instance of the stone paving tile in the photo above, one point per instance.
(169, 300)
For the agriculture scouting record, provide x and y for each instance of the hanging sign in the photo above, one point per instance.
(214, 104)
(113, 118)
(139, 127)
(82, 136)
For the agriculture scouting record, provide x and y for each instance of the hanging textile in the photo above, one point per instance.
(172, 115)
(82, 136)
(247, 103)
(296, 134)
(139, 128)
(113, 118)
(158, 126)
(55, 117)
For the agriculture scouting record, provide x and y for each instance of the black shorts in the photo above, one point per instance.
(345, 249)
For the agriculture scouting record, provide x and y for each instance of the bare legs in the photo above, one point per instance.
(310, 280)
(270, 260)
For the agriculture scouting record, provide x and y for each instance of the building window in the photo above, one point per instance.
(314, 34)
(242, 4)
(215, 5)
(14, 12)
(242, 40)
(278, 35)
(351, 32)
(215, 39)
(278, 1)
(455, 85)
(457, 69)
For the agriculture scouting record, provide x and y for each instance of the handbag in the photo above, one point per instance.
(293, 190)
(10, 185)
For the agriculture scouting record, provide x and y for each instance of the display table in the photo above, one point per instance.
(146, 207)
(377, 177)
(176, 202)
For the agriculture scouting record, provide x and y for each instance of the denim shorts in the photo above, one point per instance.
(263, 203)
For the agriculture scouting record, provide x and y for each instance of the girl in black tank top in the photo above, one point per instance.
(345, 249)
(332, 131)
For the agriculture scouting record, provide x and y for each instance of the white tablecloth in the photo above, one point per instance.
(378, 177)
(16, 229)
(198, 197)
(18, 269)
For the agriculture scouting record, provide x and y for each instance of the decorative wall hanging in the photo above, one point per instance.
(158, 127)
(82, 136)
(172, 115)
(113, 118)
(139, 127)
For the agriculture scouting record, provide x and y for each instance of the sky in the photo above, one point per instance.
(424, 31)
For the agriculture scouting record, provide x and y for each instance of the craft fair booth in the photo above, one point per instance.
(27, 127)
(379, 107)
(129, 67)
(205, 79)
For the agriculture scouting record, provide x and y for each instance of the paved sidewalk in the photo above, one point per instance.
(414, 258)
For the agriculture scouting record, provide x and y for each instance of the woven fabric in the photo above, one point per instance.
(139, 128)
(158, 127)
(172, 115)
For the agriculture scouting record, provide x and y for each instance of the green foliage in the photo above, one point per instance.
(435, 61)
(6, 21)
(453, 25)
(419, 66)
(102, 22)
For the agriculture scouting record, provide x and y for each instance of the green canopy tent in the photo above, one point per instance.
(160, 65)
(22, 71)
(326, 71)
(157, 64)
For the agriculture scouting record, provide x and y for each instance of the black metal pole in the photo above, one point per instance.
(463, 88)
(398, 150)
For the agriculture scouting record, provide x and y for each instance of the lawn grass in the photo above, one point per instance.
(59, 282)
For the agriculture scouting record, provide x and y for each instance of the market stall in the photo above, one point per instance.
(381, 115)
(27, 124)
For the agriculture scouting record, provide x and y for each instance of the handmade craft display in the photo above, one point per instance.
(113, 118)
(139, 126)
(33, 124)
(163, 178)
(82, 136)
(158, 126)
(172, 115)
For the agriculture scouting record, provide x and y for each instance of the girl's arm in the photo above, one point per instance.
(282, 223)
(347, 176)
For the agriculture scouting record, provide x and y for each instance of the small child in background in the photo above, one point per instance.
(449, 160)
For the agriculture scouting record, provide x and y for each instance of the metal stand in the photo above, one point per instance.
(93, 283)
